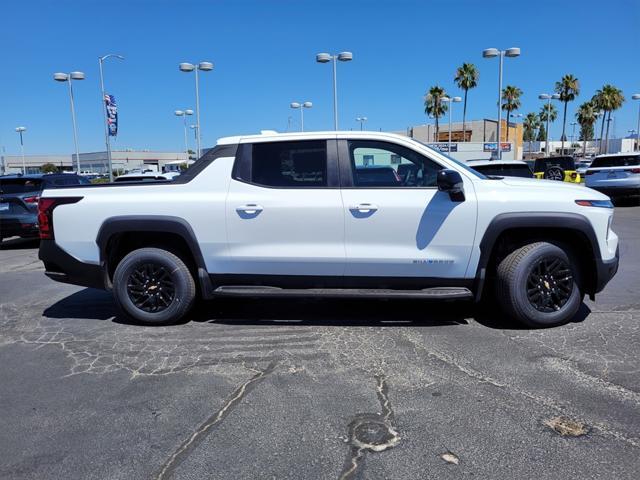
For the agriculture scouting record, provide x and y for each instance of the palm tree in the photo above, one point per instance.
(587, 115)
(434, 106)
(466, 78)
(511, 97)
(568, 88)
(548, 113)
(530, 124)
(607, 99)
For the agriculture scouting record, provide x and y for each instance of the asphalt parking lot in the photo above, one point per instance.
(315, 389)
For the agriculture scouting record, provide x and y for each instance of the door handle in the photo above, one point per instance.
(364, 207)
(250, 208)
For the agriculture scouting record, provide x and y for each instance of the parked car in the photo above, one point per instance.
(561, 168)
(501, 168)
(146, 177)
(19, 195)
(582, 166)
(288, 215)
(616, 175)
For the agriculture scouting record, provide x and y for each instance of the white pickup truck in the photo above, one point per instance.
(332, 214)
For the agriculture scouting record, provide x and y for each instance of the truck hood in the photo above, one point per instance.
(548, 185)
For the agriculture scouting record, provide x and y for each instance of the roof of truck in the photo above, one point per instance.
(272, 134)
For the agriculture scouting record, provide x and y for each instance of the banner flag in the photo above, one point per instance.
(112, 114)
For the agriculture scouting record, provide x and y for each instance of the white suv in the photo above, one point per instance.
(332, 214)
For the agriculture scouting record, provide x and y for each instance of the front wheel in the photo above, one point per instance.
(539, 285)
(153, 286)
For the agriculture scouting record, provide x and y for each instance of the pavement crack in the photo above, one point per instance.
(203, 430)
(373, 432)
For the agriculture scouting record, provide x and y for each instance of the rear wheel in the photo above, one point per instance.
(153, 286)
(539, 285)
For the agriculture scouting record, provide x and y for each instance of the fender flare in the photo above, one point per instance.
(154, 223)
(516, 220)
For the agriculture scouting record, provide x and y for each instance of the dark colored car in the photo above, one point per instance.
(19, 195)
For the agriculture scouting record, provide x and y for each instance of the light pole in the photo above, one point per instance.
(190, 67)
(20, 131)
(184, 114)
(450, 101)
(301, 106)
(573, 131)
(69, 77)
(636, 96)
(326, 58)
(107, 140)
(361, 120)
(548, 98)
(494, 52)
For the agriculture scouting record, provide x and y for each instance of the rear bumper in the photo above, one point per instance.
(18, 227)
(614, 192)
(606, 270)
(62, 267)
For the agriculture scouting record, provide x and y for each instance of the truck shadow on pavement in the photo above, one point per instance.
(20, 244)
(93, 304)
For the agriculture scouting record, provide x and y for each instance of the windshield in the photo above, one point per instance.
(621, 161)
(457, 162)
(566, 163)
(20, 185)
(505, 170)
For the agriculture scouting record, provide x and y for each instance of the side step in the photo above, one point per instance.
(437, 293)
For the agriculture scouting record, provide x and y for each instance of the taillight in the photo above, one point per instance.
(31, 199)
(634, 170)
(590, 172)
(45, 214)
(574, 175)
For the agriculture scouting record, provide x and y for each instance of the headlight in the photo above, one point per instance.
(595, 203)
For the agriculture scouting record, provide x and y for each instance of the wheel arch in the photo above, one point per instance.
(120, 235)
(510, 230)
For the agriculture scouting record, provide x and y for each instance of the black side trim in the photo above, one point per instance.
(62, 267)
(556, 220)
(150, 223)
(332, 282)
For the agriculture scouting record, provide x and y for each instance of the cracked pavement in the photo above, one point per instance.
(315, 388)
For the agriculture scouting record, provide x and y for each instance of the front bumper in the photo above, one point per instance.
(606, 270)
(62, 267)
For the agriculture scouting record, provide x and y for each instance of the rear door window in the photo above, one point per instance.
(300, 164)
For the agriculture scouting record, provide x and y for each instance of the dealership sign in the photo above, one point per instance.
(112, 114)
(443, 147)
(493, 146)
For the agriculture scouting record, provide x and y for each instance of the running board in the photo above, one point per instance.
(437, 293)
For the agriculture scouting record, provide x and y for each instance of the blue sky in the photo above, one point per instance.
(264, 56)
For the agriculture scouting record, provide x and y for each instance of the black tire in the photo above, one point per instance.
(153, 286)
(539, 285)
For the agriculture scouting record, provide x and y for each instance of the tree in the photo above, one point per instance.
(48, 168)
(607, 99)
(542, 133)
(530, 124)
(587, 115)
(434, 106)
(568, 88)
(466, 78)
(511, 96)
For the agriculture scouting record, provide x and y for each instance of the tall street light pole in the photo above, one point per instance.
(361, 120)
(184, 114)
(326, 58)
(494, 52)
(190, 67)
(548, 98)
(69, 77)
(20, 131)
(573, 132)
(636, 96)
(301, 106)
(107, 140)
(450, 101)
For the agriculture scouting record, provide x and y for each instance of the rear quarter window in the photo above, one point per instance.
(20, 185)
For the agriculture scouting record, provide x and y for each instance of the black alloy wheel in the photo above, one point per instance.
(151, 288)
(549, 284)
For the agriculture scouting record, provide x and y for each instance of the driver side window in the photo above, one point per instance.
(386, 165)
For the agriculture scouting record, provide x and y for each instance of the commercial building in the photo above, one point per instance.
(96, 162)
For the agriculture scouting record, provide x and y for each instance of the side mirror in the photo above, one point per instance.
(450, 181)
